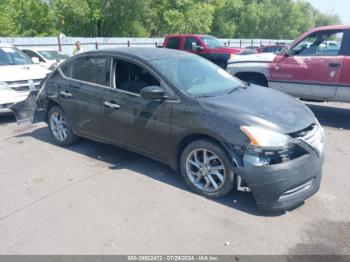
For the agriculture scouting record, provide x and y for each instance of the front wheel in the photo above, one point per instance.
(207, 169)
(60, 127)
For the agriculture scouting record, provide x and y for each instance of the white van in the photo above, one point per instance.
(18, 75)
(48, 58)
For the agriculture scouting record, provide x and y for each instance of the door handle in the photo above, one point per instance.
(111, 105)
(334, 65)
(65, 94)
(74, 86)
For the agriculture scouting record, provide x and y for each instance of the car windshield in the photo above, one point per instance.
(49, 54)
(196, 76)
(63, 56)
(12, 56)
(211, 42)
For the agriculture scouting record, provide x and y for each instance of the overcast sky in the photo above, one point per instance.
(339, 7)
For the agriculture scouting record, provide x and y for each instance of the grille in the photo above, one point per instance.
(313, 136)
(25, 85)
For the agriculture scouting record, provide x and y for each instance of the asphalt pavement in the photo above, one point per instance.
(93, 198)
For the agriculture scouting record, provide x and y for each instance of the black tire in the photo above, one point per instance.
(70, 138)
(229, 178)
(258, 80)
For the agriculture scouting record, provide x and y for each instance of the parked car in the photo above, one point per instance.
(276, 48)
(18, 75)
(206, 46)
(247, 51)
(48, 58)
(185, 111)
(315, 67)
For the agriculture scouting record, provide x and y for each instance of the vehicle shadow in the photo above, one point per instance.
(7, 119)
(117, 159)
(335, 117)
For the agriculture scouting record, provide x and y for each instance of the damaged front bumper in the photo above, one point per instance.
(27, 111)
(283, 186)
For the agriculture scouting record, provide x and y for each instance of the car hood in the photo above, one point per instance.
(261, 57)
(22, 72)
(256, 105)
(227, 50)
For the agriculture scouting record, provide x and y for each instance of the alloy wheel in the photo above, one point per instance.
(205, 170)
(58, 126)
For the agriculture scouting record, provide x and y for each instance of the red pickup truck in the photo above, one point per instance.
(315, 67)
(206, 46)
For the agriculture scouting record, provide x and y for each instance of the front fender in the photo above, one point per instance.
(249, 67)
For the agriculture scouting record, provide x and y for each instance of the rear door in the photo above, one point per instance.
(173, 42)
(81, 93)
(312, 70)
(132, 121)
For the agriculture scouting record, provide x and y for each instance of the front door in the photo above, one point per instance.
(131, 120)
(312, 68)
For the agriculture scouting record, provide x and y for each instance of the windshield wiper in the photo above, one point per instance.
(236, 88)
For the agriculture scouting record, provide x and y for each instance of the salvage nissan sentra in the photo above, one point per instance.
(183, 110)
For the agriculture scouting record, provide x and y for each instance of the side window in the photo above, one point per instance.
(32, 54)
(89, 69)
(28, 53)
(190, 41)
(320, 44)
(173, 43)
(131, 77)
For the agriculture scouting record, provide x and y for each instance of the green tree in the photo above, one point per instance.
(180, 16)
(119, 18)
(26, 18)
(100, 17)
(34, 17)
(8, 25)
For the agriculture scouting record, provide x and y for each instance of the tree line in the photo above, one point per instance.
(274, 19)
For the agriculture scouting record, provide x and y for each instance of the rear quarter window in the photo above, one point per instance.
(94, 70)
(173, 43)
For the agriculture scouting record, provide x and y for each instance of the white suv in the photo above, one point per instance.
(18, 76)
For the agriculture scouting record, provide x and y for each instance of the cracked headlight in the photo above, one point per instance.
(267, 147)
(260, 137)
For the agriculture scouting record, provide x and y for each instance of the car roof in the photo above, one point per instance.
(177, 35)
(39, 49)
(5, 45)
(331, 27)
(145, 53)
(323, 28)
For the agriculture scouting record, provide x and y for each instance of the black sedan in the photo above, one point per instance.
(183, 110)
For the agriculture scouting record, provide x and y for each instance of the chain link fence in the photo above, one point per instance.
(66, 44)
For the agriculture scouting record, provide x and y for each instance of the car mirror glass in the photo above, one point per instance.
(153, 93)
(35, 60)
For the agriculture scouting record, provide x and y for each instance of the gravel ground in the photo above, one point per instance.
(92, 198)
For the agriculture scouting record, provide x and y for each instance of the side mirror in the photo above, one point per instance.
(35, 60)
(196, 47)
(287, 52)
(153, 93)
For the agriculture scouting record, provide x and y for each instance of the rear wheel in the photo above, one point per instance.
(60, 127)
(207, 169)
